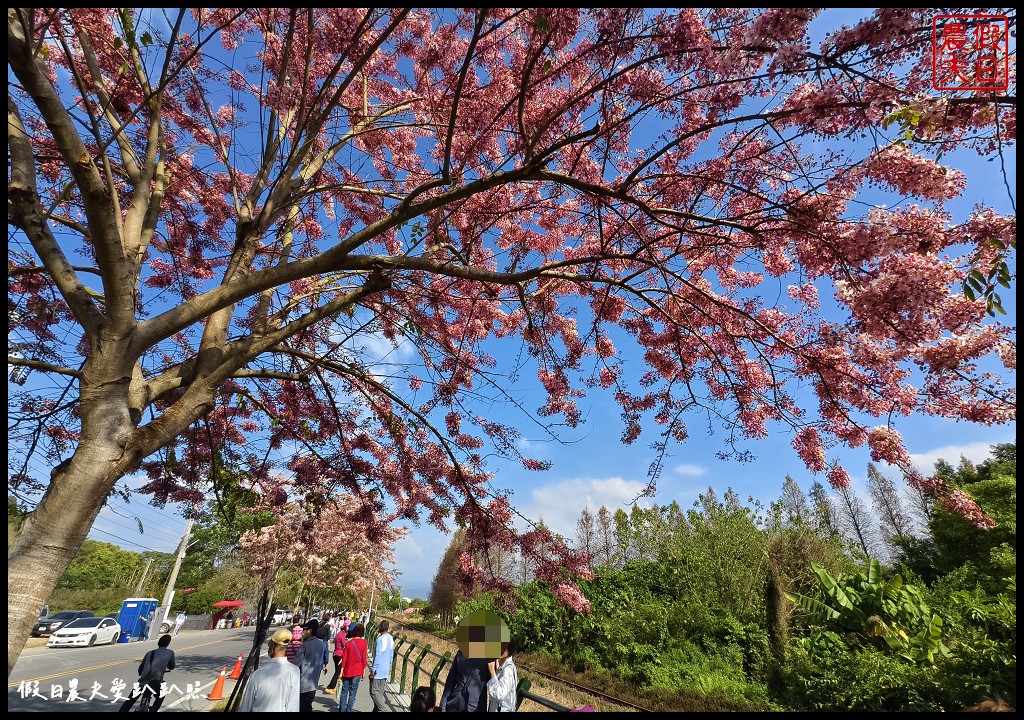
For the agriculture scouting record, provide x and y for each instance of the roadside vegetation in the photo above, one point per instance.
(729, 606)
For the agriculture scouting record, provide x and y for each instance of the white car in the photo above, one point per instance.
(85, 632)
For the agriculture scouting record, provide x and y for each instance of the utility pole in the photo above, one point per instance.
(142, 580)
(166, 604)
(373, 588)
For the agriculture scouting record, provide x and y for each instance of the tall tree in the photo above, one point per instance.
(445, 589)
(825, 516)
(1002, 454)
(888, 505)
(624, 549)
(204, 242)
(722, 558)
(856, 521)
(586, 534)
(606, 556)
(796, 509)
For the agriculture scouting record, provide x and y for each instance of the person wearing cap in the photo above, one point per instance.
(275, 686)
(310, 660)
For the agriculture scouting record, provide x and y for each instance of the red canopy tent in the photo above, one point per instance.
(225, 607)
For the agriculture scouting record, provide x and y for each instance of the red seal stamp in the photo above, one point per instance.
(970, 52)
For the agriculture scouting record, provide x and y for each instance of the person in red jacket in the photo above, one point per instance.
(353, 667)
(340, 639)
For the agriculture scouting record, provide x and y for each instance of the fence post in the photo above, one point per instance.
(445, 659)
(405, 665)
(416, 667)
(523, 686)
(370, 634)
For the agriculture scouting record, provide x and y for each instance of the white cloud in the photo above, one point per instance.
(689, 470)
(378, 350)
(529, 446)
(976, 452)
(559, 505)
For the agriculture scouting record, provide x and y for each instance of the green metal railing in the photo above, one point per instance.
(523, 693)
(404, 648)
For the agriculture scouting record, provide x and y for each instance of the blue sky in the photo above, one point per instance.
(590, 467)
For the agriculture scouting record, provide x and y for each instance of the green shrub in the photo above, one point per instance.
(864, 679)
(687, 667)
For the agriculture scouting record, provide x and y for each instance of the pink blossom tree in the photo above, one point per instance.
(210, 210)
(327, 546)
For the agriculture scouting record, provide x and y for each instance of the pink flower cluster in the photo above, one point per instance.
(887, 446)
(953, 500)
(571, 595)
(913, 174)
(807, 444)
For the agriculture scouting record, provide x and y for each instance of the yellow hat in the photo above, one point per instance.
(282, 637)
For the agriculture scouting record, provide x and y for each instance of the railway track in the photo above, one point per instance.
(583, 688)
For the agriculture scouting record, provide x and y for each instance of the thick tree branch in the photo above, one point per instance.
(272, 375)
(44, 366)
(96, 195)
(28, 213)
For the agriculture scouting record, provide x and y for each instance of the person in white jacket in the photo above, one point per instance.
(275, 686)
(501, 688)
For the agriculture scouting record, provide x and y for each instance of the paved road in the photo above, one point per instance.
(43, 678)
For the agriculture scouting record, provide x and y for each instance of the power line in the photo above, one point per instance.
(130, 542)
(175, 533)
(143, 536)
(134, 520)
(155, 532)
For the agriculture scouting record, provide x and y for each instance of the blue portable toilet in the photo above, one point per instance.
(130, 618)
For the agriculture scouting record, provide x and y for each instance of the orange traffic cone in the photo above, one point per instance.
(236, 671)
(218, 687)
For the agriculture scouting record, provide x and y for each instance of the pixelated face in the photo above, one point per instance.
(480, 635)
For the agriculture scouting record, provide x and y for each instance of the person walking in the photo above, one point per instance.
(179, 621)
(383, 653)
(296, 638)
(275, 686)
(340, 638)
(501, 688)
(353, 665)
(324, 633)
(310, 660)
(327, 621)
(465, 690)
(151, 675)
(147, 623)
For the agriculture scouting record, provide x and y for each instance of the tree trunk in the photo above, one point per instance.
(51, 537)
(109, 446)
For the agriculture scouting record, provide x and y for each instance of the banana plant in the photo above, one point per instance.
(872, 610)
